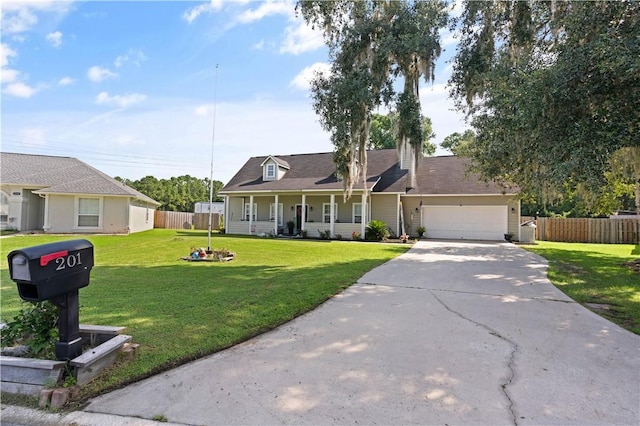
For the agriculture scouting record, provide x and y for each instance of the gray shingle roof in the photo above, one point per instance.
(436, 175)
(61, 175)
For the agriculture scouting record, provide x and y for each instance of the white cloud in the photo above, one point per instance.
(55, 38)
(5, 53)
(435, 104)
(21, 16)
(122, 101)
(301, 39)
(202, 110)
(65, 81)
(304, 77)
(9, 75)
(97, 74)
(20, 21)
(34, 136)
(192, 13)
(267, 9)
(259, 45)
(135, 56)
(19, 90)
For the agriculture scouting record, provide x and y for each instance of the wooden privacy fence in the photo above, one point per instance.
(612, 231)
(172, 220)
(185, 220)
(201, 220)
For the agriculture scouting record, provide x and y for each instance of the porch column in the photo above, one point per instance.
(398, 213)
(250, 214)
(332, 212)
(304, 212)
(46, 226)
(365, 214)
(227, 200)
(275, 218)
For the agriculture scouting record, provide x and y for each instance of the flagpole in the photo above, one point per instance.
(213, 138)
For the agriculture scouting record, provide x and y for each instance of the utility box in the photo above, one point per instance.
(528, 232)
(50, 270)
(55, 272)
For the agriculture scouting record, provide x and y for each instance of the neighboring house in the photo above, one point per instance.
(65, 195)
(437, 193)
(203, 207)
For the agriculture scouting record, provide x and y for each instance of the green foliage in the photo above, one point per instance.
(35, 326)
(551, 89)
(384, 130)
(376, 230)
(325, 235)
(177, 193)
(460, 144)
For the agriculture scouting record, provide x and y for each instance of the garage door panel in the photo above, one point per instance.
(465, 222)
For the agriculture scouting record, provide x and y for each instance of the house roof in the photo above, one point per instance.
(62, 175)
(436, 175)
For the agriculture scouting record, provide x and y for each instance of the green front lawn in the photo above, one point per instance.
(179, 311)
(593, 274)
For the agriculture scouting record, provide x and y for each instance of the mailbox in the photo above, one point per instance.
(50, 270)
(55, 272)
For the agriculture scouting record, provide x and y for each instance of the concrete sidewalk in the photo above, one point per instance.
(448, 333)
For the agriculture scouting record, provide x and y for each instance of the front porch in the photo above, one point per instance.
(270, 214)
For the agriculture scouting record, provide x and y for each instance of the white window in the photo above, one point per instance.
(271, 171)
(247, 206)
(272, 214)
(88, 212)
(4, 209)
(356, 213)
(326, 212)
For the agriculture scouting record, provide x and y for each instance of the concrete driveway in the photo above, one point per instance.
(448, 333)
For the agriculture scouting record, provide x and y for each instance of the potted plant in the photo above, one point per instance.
(421, 230)
(290, 226)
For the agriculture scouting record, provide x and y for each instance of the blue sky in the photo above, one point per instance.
(130, 86)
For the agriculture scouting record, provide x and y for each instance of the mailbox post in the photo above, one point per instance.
(55, 272)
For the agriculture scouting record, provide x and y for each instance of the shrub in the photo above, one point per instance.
(324, 235)
(35, 327)
(377, 231)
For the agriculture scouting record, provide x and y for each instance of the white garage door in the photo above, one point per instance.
(465, 222)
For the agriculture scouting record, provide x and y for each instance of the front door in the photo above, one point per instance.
(298, 218)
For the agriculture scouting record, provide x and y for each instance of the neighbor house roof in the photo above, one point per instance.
(62, 175)
(435, 175)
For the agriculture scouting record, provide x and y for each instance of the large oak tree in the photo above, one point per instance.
(552, 90)
(373, 45)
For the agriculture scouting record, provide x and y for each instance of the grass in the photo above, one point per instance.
(593, 274)
(179, 311)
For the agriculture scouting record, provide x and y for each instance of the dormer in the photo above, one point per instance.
(273, 168)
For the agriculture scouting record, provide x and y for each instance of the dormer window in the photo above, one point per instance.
(274, 168)
(271, 171)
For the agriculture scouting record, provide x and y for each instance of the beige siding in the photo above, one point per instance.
(384, 207)
(141, 217)
(62, 215)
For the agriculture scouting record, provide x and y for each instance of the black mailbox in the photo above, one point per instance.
(55, 272)
(49, 270)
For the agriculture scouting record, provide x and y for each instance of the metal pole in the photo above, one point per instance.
(213, 138)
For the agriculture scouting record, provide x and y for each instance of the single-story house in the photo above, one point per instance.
(65, 195)
(436, 193)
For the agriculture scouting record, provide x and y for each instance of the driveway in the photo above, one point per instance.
(448, 333)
